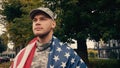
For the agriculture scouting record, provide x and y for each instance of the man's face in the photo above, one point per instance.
(42, 25)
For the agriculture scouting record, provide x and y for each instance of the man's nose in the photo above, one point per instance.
(38, 22)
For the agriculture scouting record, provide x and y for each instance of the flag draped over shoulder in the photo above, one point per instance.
(60, 56)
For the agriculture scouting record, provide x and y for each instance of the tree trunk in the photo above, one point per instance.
(82, 50)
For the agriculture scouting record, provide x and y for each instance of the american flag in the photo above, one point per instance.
(62, 56)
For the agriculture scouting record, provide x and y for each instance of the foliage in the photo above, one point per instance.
(104, 63)
(4, 38)
(19, 23)
(12, 9)
(92, 53)
(105, 22)
(2, 45)
(113, 55)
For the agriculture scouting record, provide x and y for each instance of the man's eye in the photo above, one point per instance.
(34, 20)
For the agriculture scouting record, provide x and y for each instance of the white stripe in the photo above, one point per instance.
(25, 56)
(15, 60)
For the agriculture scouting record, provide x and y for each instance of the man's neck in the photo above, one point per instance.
(45, 39)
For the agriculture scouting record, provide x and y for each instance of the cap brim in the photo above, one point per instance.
(35, 12)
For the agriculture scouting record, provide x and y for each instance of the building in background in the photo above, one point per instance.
(101, 49)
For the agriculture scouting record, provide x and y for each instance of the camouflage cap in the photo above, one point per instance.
(45, 10)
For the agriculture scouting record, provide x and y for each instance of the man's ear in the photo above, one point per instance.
(53, 24)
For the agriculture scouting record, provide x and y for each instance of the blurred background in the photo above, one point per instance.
(90, 27)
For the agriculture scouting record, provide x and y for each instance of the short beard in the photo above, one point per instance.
(43, 35)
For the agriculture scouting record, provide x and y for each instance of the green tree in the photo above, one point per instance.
(18, 21)
(105, 22)
(2, 45)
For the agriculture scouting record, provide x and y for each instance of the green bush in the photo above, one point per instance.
(104, 63)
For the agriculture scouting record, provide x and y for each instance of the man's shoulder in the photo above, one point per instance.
(67, 49)
(63, 47)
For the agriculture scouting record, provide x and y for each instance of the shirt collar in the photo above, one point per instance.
(42, 47)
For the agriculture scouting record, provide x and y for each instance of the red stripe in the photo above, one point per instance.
(30, 57)
(33, 40)
(20, 57)
(18, 60)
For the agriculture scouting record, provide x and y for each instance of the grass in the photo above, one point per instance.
(104, 63)
(5, 65)
(94, 63)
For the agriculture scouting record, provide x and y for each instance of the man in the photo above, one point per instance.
(45, 50)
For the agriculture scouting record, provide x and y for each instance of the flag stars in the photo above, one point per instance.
(56, 58)
(78, 67)
(67, 55)
(54, 37)
(53, 43)
(81, 61)
(50, 52)
(73, 60)
(63, 65)
(61, 43)
(68, 48)
(75, 53)
(51, 66)
(59, 49)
